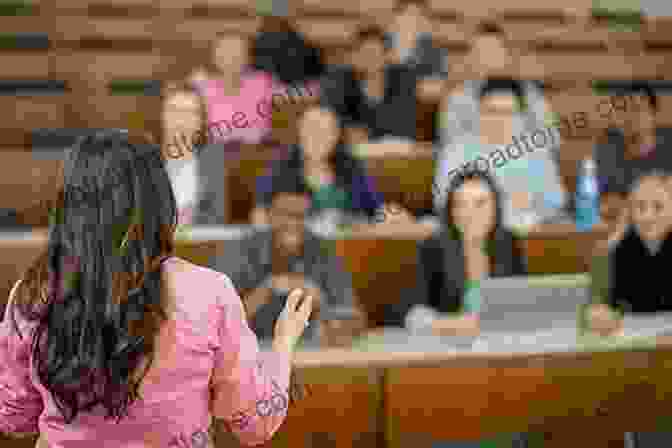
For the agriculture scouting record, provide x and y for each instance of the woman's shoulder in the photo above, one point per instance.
(191, 280)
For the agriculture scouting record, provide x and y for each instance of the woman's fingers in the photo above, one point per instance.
(306, 308)
(293, 300)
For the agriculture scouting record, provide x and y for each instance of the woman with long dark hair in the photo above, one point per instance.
(473, 244)
(109, 324)
(336, 179)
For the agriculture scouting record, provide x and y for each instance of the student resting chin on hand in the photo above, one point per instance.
(472, 245)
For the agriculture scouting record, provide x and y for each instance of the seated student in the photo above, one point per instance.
(337, 181)
(238, 98)
(194, 164)
(640, 146)
(473, 244)
(491, 57)
(639, 255)
(375, 100)
(287, 256)
(523, 162)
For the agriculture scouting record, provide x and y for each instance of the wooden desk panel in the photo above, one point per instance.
(343, 409)
(578, 395)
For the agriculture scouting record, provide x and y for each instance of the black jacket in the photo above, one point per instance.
(288, 56)
(394, 115)
(637, 278)
(441, 268)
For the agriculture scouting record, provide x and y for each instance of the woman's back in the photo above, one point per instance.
(207, 363)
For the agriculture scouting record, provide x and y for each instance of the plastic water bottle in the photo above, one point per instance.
(587, 197)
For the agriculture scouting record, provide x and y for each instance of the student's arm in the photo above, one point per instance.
(421, 316)
(601, 316)
(334, 281)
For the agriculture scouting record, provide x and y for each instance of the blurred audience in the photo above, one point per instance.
(524, 161)
(473, 244)
(639, 254)
(375, 99)
(340, 190)
(269, 263)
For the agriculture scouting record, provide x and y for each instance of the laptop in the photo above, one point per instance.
(531, 303)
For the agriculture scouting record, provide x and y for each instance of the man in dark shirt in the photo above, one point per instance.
(637, 148)
(269, 263)
(373, 98)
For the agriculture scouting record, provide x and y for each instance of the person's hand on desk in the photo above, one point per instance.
(463, 325)
(393, 213)
(603, 320)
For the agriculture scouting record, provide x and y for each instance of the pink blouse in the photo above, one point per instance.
(208, 365)
(246, 116)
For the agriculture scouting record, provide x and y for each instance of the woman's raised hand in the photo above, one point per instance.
(292, 321)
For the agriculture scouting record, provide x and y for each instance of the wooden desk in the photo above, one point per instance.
(579, 400)
(344, 408)
(382, 261)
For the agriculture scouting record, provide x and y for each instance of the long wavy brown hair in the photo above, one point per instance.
(96, 291)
